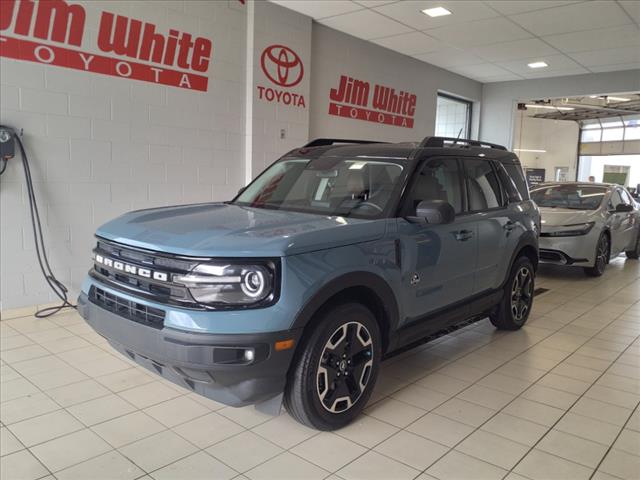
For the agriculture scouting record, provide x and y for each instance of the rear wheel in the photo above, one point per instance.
(602, 257)
(635, 254)
(336, 369)
(513, 310)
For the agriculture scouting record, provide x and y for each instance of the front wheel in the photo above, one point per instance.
(602, 257)
(635, 253)
(513, 310)
(335, 372)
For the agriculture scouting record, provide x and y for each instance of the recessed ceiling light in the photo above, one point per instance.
(436, 12)
(547, 107)
(537, 65)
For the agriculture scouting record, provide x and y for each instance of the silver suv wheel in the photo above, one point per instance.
(345, 367)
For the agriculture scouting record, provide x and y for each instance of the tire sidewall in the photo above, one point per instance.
(604, 265)
(329, 323)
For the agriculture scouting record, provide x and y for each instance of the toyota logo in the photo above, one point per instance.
(282, 65)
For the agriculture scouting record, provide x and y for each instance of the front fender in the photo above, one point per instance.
(365, 279)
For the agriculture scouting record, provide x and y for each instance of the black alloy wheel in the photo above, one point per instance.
(335, 368)
(345, 367)
(521, 294)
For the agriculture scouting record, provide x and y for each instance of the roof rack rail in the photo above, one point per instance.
(440, 142)
(321, 142)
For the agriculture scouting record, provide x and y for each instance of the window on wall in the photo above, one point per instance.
(453, 117)
(610, 129)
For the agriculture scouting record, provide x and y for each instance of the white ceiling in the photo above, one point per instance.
(493, 41)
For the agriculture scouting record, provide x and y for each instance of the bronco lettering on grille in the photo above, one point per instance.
(131, 269)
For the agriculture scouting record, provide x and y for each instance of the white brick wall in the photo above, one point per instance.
(100, 146)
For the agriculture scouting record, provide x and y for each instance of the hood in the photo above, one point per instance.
(556, 217)
(218, 229)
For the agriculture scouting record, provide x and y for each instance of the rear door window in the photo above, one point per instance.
(483, 186)
(439, 179)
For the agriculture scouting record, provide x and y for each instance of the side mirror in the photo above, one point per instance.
(434, 212)
(623, 207)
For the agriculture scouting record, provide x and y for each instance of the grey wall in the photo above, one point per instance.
(334, 53)
(499, 99)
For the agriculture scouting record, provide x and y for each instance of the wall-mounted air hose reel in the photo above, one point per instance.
(9, 137)
(7, 147)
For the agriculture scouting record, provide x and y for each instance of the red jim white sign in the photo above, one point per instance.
(352, 99)
(48, 22)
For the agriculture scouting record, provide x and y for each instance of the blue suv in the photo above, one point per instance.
(336, 255)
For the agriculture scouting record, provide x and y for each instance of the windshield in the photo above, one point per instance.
(577, 197)
(336, 186)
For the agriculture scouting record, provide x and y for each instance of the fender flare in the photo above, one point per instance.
(352, 279)
(528, 239)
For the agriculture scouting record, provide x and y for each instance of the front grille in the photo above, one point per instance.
(162, 291)
(552, 256)
(152, 317)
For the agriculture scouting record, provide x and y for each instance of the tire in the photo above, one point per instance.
(603, 248)
(634, 254)
(513, 310)
(325, 397)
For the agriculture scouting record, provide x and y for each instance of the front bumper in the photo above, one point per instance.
(578, 250)
(204, 363)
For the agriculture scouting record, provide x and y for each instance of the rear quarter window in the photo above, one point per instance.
(517, 176)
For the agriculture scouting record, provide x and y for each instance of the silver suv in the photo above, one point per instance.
(587, 224)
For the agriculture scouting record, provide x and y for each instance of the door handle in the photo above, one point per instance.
(463, 235)
(509, 226)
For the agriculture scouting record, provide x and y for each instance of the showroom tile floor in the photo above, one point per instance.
(556, 400)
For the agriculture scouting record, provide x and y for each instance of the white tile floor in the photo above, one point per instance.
(556, 400)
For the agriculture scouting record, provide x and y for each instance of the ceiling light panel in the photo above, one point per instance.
(548, 107)
(436, 12)
(409, 12)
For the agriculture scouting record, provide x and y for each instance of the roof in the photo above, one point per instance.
(429, 146)
(578, 184)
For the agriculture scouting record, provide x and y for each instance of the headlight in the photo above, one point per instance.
(230, 284)
(571, 230)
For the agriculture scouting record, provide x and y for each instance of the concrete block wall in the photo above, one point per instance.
(100, 145)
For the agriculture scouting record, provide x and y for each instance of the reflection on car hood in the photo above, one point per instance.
(218, 229)
(555, 217)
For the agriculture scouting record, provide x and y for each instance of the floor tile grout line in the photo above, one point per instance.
(492, 371)
(427, 412)
(518, 396)
(27, 449)
(567, 411)
(614, 441)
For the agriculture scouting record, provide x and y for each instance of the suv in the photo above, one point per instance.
(336, 255)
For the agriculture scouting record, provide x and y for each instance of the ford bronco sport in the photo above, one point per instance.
(337, 254)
